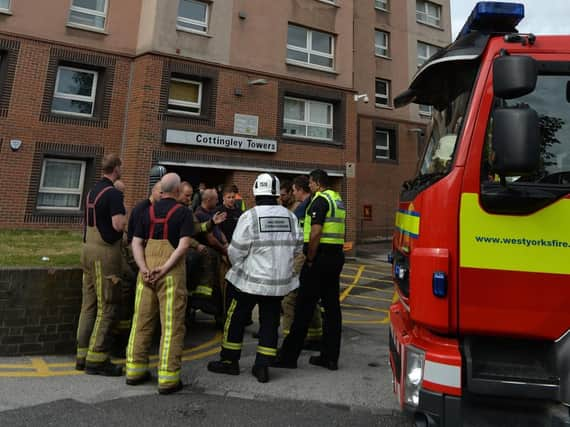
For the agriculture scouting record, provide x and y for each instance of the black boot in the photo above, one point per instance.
(230, 367)
(106, 369)
(80, 364)
(331, 365)
(261, 373)
(140, 380)
(169, 390)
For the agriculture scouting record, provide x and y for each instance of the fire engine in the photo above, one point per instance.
(481, 249)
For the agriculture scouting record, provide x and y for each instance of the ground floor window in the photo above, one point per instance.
(61, 184)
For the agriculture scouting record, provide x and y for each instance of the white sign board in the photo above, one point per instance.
(211, 140)
(246, 124)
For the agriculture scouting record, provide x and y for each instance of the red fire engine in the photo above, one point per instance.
(481, 251)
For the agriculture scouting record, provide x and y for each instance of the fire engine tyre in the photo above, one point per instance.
(420, 420)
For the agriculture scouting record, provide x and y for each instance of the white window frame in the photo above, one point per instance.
(59, 190)
(382, 96)
(431, 50)
(378, 5)
(194, 21)
(8, 9)
(426, 111)
(382, 147)
(185, 103)
(424, 17)
(333, 2)
(82, 98)
(385, 47)
(309, 51)
(307, 122)
(88, 12)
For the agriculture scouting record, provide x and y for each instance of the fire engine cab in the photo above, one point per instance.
(481, 251)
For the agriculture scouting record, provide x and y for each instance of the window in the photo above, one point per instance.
(185, 96)
(4, 5)
(384, 144)
(74, 91)
(425, 51)
(381, 40)
(382, 93)
(308, 119)
(428, 13)
(88, 13)
(425, 110)
(192, 16)
(381, 4)
(310, 47)
(61, 184)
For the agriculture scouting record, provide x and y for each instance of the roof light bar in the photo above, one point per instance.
(493, 17)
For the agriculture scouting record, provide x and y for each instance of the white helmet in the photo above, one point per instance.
(266, 185)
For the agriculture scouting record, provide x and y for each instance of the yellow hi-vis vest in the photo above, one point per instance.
(334, 226)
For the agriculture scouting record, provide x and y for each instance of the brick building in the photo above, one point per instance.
(215, 90)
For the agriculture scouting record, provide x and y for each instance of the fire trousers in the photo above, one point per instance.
(166, 298)
(102, 294)
(239, 313)
(315, 331)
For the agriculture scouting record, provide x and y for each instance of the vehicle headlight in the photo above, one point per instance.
(414, 375)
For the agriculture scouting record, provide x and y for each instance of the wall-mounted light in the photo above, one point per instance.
(361, 97)
(15, 144)
(257, 82)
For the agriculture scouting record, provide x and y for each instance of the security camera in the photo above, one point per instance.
(362, 97)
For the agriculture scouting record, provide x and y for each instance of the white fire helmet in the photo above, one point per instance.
(266, 185)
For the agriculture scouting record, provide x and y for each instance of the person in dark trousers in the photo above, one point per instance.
(266, 240)
(101, 261)
(161, 240)
(324, 230)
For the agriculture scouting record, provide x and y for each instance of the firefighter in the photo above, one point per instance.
(324, 229)
(265, 242)
(161, 288)
(101, 261)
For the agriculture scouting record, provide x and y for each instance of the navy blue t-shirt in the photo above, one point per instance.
(136, 216)
(109, 205)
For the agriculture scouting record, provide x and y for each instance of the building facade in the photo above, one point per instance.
(392, 39)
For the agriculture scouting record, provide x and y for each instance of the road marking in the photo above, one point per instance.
(372, 288)
(371, 298)
(40, 366)
(354, 282)
(366, 307)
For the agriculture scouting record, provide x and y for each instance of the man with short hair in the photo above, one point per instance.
(286, 195)
(232, 211)
(101, 260)
(324, 230)
(186, 192)
(161, 292)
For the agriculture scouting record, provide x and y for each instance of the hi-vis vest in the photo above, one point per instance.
(334, 226)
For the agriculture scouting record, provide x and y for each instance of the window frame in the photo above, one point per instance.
(82, 98)
(7, 10)
(392, 144)
(85, 11)
(307, 122)
(423, 17)
(424, 112)
(387, 95)
(185, 103)
(60, 190)
(387, 45)
(430, 53)
(309, 51)
(193, 21)
(383, 9)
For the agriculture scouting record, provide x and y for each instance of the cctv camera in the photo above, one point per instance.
(365, 99)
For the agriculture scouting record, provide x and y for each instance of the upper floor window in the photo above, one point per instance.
(61, 184)
(382, 98)
(381, 4)
(428, 13)
(381, 43)
(88, 13)
(384, 144)
(193, 16)
(425, 51)
(308, 119)
(5, 5)
(310, 47)
(185, 96)
(75, 91)
(425, 110)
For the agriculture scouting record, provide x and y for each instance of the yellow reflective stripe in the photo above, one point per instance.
(266, 351)
(286, 331)
(136, 369)
(408, 222)
(535, 243)
(99, 291)
(228, 320)
(167, 377)
(167, 323)
(132, 336)
(232, 345)
(82, 352)
(93, 356)
(204, 226)
(314, 332)
(203, 290)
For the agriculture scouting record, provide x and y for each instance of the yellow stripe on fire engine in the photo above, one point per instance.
(538, 243)
(408, 222)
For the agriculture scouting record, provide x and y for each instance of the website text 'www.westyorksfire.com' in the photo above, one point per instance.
(523, 241)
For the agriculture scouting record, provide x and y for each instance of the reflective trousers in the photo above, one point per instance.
(321, 282)
(166, 298)
(315, 331)
(102, 292)
(239, 313)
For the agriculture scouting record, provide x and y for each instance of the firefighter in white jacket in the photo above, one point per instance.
(265, 242)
